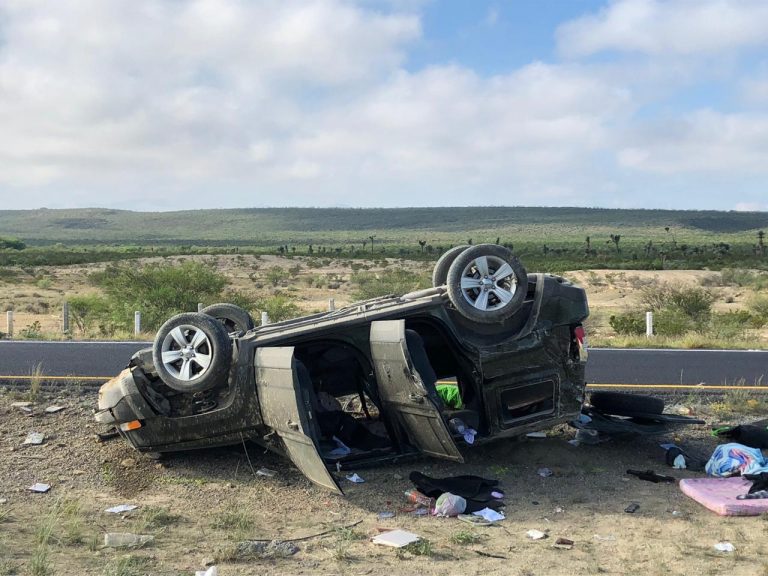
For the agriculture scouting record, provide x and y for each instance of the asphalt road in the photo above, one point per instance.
(96, 362)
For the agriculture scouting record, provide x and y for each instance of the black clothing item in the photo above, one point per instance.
(752, 436)
(759, 482)
(347, 429)
(474, 489)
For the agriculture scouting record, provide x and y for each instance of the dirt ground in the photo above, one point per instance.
(199, 505)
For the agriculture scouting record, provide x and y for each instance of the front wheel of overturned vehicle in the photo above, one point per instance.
(234, 318)
(192, 352)
(487, 283)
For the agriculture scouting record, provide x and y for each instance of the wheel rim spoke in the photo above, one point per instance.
(469, 282)
(178, 336)
(198, 339)
(186, 369)
(203, 360)
(503, 272)
(481, 303)
(481, 264)
(505, 296)
(171, 356)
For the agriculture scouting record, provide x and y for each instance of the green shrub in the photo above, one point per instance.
(758, 306)
(629, 323)
(672, 322)
(88, 311)
(693, 302)
(278, 307)
(730, 325)
(396, 281)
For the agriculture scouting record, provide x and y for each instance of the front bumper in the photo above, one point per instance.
(121, 402)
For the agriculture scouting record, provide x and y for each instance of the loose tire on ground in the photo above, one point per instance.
(443, 264)
(487, 283)
(622, 404)
(192, 352)
(234, 318)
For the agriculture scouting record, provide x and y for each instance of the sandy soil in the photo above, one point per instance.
(211, 500)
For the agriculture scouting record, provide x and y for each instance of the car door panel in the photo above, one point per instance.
(284, 409)
(403, 393)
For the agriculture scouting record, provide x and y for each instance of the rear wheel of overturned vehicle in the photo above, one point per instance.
(621, 404)
(443, 264)
(192, 352)
(487, 283)
(234, 318)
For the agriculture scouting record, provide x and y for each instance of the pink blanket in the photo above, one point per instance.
(719, 495)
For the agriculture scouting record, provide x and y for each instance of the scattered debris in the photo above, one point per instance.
(536, 435)
(563, 544)
(355, 478)
(559, 510)
(261, 549)
(724, 547)
(395, 538)
(21, 404)
(108, 435)
(536, 534)
(265, 472)
(651, 476)
(544, 472)
(489, 514)
(121, 508)
(212, 571)
(497, 495)
(385, 515)
(420, 512)
(127, 540)
(474, 520)
(35, 438)
(632, 508)
(607, 538)
(54, 409)
(397, 476)
(3, 500)
(449, 505)
(489, 555)
(40, 487)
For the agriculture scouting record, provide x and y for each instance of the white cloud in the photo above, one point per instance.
(704, 141)
(667, 27)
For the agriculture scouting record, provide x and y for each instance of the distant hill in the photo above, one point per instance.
(272, 226)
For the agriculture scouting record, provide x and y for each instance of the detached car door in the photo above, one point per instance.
(285, 407)
(403, 395)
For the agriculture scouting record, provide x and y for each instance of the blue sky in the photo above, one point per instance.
(165, 105)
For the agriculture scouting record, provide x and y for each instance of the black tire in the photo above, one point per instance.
(234, 318)
(494, 299)
(622, 404)
(443, 264)
(198, 352)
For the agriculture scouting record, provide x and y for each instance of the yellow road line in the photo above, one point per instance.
(44, 377)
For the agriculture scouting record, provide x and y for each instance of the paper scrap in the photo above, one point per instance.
(544, 472)
(212, 571)
(489, 514)
(40, 487)
(385, 515)
(536, 534)
(395, 538)
(355, 478)
(21, 404)
(724, 547)
(265, 472)
(121, 508)
(54, 409)
(34, 438)
(536, 435)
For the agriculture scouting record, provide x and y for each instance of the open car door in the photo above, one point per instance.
(403, 394)
(286, 408)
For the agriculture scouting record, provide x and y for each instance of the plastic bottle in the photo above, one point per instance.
(417, 497)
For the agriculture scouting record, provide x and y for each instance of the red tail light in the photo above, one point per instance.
(580, 334)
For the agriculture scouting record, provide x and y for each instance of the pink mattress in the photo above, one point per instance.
(719, 495)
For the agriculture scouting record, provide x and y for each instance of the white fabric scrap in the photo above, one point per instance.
(355, 478)
(121, 508)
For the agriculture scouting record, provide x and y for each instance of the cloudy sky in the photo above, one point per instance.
(183, 104)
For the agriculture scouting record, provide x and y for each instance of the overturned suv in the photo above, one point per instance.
(367, 382)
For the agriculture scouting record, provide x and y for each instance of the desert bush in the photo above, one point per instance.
(758, 306)
(396, 281)
(628, 323)
(694, 302)
(744, 278)
(88, 311)
(157, 290)
(278, 307)
(730, 325)
(673, 321)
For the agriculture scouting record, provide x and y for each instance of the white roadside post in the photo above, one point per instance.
(264, 318)
(200, 306)
(9, 322)
(331, 304)
(65, 318)
(648, 324)
(137, 323)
